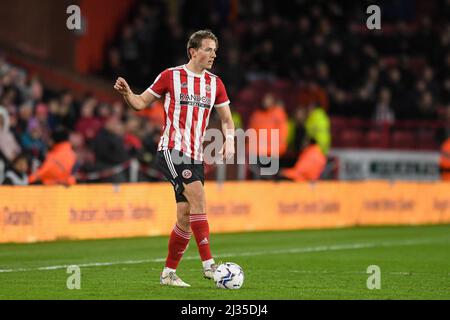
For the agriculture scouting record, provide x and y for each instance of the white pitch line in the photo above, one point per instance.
(351, 246)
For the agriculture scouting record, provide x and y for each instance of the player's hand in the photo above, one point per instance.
(122, 86)
(227, 151)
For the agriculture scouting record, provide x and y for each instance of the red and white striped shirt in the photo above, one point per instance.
(189, 99)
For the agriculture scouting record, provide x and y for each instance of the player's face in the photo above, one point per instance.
(206, 54)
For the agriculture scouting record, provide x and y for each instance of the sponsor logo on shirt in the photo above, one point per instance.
(195, 100)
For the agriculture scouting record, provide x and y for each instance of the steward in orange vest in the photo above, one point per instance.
(309, 165)
(59, 162)
(270, 116)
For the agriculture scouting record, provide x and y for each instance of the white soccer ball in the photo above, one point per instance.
(229, 275)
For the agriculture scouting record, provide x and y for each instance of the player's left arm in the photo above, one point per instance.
(228, 131)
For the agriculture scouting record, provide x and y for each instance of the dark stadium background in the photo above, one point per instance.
(303, 52)
(381, 96)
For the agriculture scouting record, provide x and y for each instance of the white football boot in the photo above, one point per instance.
(171, 279)
(209, 273)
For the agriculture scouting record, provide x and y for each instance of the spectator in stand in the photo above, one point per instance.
(232, 75)
(296, 137)
(132, 137)
(337, 60)
(114, 66)
(85, 156)
(429, 78)
(53, 114)
(41, 114)
(295, 62)
(446, 62)
(384, 113)
(317, 126)
(396, 82)
(311, 93)
(109, 149)
(152, 133)
(264, 60)
(323, 79)
(32, 140)
(25, 114)
(9, 98)
(88, 124)
(67, 110)
(270, 116)
(129, 52)
(118, 110)
(59, 162)
(426, 109)
(16, 174)
(445, 92)
(105, 113)
(361, 102)
(298, 142)
(9, 147)
(36, 90)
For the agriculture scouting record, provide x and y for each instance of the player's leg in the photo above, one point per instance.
(195, 194)
(183, 214)
(181, 234)
(178, 242)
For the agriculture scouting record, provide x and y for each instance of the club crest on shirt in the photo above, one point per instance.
(186, 173)
(208, 88)
(184, 85)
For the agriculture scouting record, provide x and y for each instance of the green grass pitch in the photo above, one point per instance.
(300, 265)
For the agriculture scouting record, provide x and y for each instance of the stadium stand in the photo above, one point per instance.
(321, 56)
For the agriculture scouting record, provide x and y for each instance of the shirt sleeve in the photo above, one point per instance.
(221, 95)
(161, 84)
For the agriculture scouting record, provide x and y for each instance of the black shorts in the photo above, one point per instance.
(179, 169)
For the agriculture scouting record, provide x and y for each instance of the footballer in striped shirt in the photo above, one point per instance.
(190, 92)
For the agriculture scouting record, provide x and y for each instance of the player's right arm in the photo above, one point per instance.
(137, 102)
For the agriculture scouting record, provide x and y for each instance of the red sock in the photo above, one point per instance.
(200, 229)
(178, 242)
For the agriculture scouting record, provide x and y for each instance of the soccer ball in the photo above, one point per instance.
(229, 275)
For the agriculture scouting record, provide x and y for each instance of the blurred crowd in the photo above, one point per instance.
(102, 136)
(286, 65)
(399, 72)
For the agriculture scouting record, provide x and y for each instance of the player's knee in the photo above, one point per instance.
(183, 223)
(200, 208)
(197, 203)
(196, 196)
